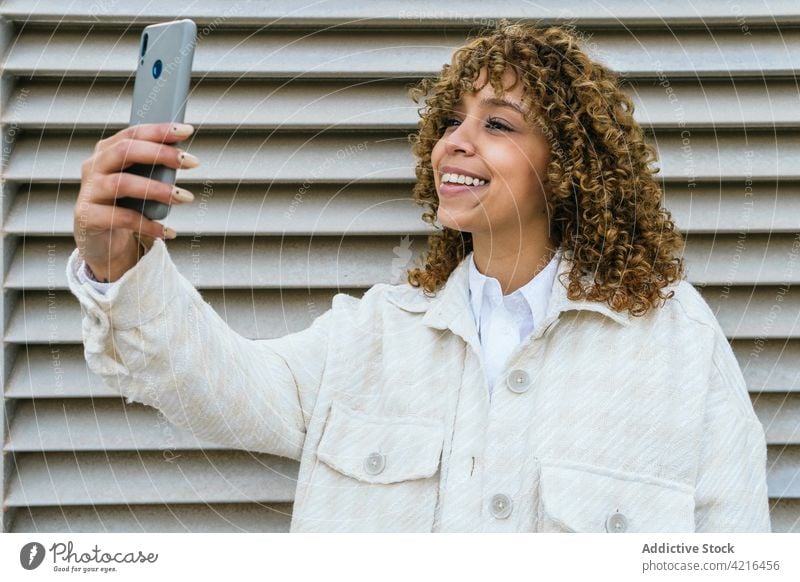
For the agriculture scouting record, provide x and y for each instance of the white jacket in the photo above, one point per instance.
(599, 422)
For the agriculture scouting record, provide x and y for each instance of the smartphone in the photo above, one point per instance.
(160, 91)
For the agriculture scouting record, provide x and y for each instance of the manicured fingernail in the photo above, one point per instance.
(169, 233)
(188, 160)
(182, 195)
(182, 129)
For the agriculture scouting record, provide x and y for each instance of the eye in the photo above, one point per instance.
(496, 124)
(492, 123)
(446, 121)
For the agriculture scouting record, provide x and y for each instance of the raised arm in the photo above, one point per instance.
(152, 337)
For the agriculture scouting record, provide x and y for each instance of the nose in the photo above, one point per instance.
(460, 139)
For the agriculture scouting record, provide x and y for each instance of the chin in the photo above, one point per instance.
(455, 222)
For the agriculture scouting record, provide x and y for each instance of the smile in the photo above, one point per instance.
(463, 179)
(448, 189)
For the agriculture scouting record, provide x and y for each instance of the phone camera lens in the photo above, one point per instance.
(157, 66)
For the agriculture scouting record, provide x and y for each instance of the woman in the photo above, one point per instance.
(547, 369)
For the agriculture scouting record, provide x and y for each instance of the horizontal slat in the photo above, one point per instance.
(742, 314)
(386, 209)
(104, 424)
(746, 259)
(769, 366)
(355, 261)
(780, 416)
(108, 424)
(291, 262)
(387, 13)
(257, 314)
(214, 105)
(306, 106)
(132, 477)
(179, 518)
(59, 371)
(731, 156)
(785, 515)
(385, 157)
(241, 263)
(783, 472)
(756, 314)
(340, 158)
(700, 103)
(734, 207)
(54, 371)
(249, 210)
(407, 53)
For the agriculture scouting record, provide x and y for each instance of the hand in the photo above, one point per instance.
(104, 232)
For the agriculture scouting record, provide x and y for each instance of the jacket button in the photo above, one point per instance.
(616, 523)
(518, 381)
(374, 463)
(501, 505)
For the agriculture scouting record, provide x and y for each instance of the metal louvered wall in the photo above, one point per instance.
(304, 190)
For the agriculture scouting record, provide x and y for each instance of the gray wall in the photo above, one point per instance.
(313, 197)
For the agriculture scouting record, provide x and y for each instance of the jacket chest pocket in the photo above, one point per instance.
(375, 473)
(583, 498)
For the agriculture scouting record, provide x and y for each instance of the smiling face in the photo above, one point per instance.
(487, 140)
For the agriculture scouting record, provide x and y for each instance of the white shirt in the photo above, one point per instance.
(85, 277)
(504, 321)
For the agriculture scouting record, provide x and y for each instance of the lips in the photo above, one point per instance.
(449, 189)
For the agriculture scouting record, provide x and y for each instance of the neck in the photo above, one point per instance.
(512, 265)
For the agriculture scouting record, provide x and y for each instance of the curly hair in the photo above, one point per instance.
(603, 198)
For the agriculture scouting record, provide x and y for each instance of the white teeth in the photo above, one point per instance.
(462, 179)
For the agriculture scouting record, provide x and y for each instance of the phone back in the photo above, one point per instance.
(161, 89)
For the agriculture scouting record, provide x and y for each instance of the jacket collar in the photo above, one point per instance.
(451, 308)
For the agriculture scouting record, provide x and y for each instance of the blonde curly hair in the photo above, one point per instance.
(603, 198)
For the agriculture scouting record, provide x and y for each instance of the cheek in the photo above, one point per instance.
(540, 162)
(535, 176)
(437, 151)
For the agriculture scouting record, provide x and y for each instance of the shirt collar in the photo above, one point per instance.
(449, 306)
(535, 292)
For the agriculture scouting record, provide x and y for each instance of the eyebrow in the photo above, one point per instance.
(502, 103)
(489, 101)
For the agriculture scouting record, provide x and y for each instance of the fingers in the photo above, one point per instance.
(103, 179)
(123, 184)
(126, 152)
(154, 132)
(102, 216)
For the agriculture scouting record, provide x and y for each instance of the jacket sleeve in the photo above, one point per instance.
(731, 488)
(152, 338)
